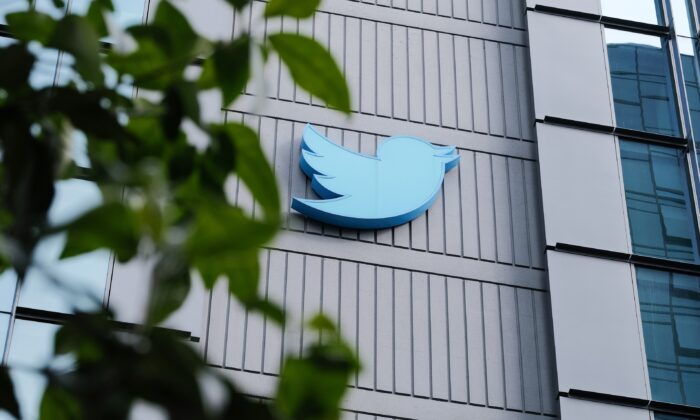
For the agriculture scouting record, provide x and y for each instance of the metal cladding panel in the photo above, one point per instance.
(449, 313)
(565, 52)
(436, 337)
(572, 409)
(596, 328)
(398, 72)
(582, 189)
(583, 6)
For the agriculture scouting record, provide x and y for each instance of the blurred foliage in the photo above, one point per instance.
(161, 194)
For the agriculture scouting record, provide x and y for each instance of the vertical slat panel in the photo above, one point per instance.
(308, 27)
(475, 342)
(505, 17)
(272, 353)
(368, 48)
(366, 328)
(330, 283)
(529, 351)
(436, 225)
(445, 7)
(459, 9)
(403, 365)
(518, 212)
(453, 218)
(527, 116)
(294, 295)
(421, 335)
(469, 204)
(414, 5)
(273, 65)
(312, 296)
(385, 329)
(487, 227)
(322, 33)
(352, 37)
(283, 161)
(495, 88)
(474, 8)
(504, 238)
(448, 97)
(419, 234)
(494, 347)
(510, 90)
(480, 104)
(252, 359)
(286, 85)
(439, 346)
(545, 345)
(532, 189)
(463, 87)
(431, 64)
(416, 101)
(430, 7)
(337, 47)
(400, 82)
(298, 181)
(218, 316)
(348, 304)
(384, 70)
(459, 373)
(518, 14)
(511, 348)
(235, 335)
(490, 11)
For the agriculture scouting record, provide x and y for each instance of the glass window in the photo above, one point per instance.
(11, 6)
(86, 274)
(664, 416)
(645, 11)
(682, 19)
(642, 83)
(31, 347)
(658, 201)
(670, 309)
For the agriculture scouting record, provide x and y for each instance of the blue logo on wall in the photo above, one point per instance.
(367, 192)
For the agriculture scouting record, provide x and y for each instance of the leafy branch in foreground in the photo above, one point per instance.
(163, 199)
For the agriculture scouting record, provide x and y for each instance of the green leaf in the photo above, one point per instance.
(95, 15)
(180, 101)
(321, 322)
(170, 287)
(313, 387)
(253, 168)
(8, 401)
(75, 35)
(181, 36)
(294, 8)
(229, 68)
(113, 226)
(57, 404)
(31, 26)
(313, 68)
(16, 75)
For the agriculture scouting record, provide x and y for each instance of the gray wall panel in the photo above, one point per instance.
(491, 212)
(417, 334)
(573, 409)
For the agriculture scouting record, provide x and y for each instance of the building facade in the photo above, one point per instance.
(556, 274)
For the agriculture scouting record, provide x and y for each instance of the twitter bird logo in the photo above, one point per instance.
(367, 192)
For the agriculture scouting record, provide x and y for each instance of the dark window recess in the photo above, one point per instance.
(670, 309)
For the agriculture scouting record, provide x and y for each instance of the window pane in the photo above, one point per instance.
(642, 84)
(670, 309)
(9, 6)
(663, 416)
(646, 11)
(85, 273)
(658, 202)
(682, 20)
(32, 347)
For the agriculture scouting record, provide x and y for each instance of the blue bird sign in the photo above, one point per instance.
(366, 192)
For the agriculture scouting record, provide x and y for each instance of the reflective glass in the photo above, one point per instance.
(658, 201)
(9, 6)
(642, 82)
(664, 416)
(682, 19)
(85, 274)
(31, 347)
(670, 310)
(689, 65)
(645, 11)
